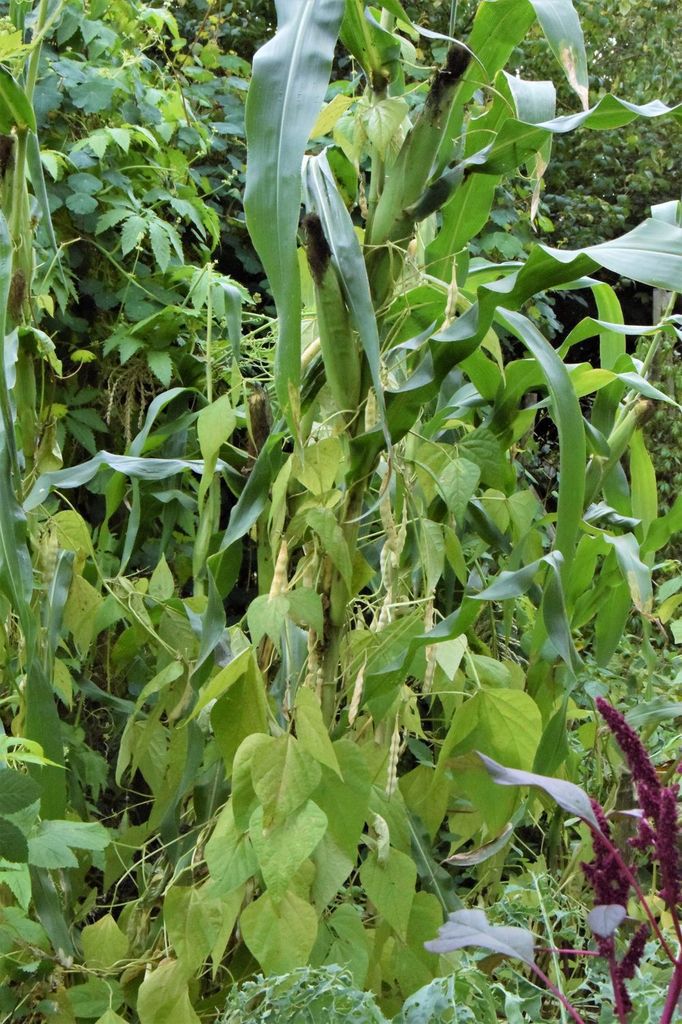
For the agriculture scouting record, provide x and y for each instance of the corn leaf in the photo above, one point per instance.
(561, 26)
(290, 76)
(322, 197)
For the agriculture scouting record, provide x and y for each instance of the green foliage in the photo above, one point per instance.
(308, 995)
(270, 575)
(137, 176)
(611, 874)
(628, 49)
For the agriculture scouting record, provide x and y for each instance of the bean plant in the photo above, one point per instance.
(252, 649)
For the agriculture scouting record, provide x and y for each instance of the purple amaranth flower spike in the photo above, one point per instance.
(625, 970)
(605, 872)
(668, 846)
(644, 777)
(634, 953)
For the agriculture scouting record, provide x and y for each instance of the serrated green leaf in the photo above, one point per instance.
(13, 845)
(111, 218)
(84, 183)
(132, 233)
(159, 241)
(52, 845)
(121, 137)
(16, 791)
(11, 45)
(161, 365)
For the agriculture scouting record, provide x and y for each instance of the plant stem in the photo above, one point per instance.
(330, 665)
(34, 59)
(676, 924)
(569, 952)
(674, 992)
(656, 340)
(547, 923)
(209, 341)
(617, 993)
(559, 995)
(336, 624)
(648, 360)
(17, 219)
(19, 223)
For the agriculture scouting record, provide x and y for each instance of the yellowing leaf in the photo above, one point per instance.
(72, 532)
(104, 944)
(311, 731)
(62, 682)
(11, 45)
(330, 114)
(284, 776)
(80, 610)
(229, 854)
(282, 850)
(163, 996)
(193, 920)
(280, 934)
(320, 465)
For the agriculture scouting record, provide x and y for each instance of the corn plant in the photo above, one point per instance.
(401, 395)
(33, 614)
(414, 593)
